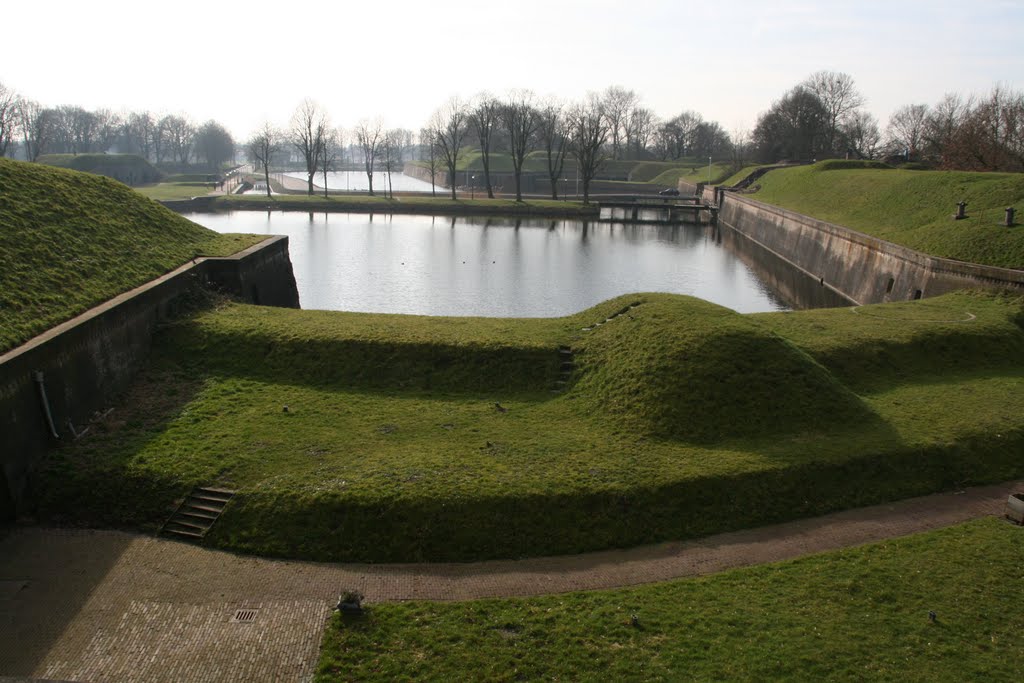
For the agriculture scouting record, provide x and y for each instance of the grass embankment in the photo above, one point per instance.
(69, 241)
(130, 169)
(912, 208)
(682, 418)
(853, 615)
(409, 204)
(695, 173)
(176, 190)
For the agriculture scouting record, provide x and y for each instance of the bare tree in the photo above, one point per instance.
(588, 132)
(641, 125)
(140, 132)
(906, 128)
(262, 147)
(8, 118)
(943, 122)
(308, 128)
(484, 117)
(330, 146)
(839, 96)
(616, 103)
(450, 122)
(37, 126)
(860, 131)
(554, 139)
(369, 136)
(391, 155)
(521, 120)
(179, 135)
(428, 141)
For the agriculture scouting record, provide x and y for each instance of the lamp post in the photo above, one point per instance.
(709, 169)
(472, 187)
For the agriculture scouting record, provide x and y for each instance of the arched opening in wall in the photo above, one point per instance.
(917, 294)
(889, 285)
(255, 295)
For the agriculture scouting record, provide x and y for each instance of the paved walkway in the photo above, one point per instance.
(110, 606)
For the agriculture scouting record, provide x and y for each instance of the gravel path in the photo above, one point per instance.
(112, 606)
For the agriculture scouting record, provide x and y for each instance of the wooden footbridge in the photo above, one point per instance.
(649, 209)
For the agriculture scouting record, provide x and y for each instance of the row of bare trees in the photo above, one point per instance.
(974, 134)
(824, 117)
(34, 130)
(319, 145)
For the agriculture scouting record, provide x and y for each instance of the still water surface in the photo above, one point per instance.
(356, 181)
(496, 267)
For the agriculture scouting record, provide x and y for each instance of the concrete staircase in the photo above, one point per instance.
(565, 369)
(196, 514)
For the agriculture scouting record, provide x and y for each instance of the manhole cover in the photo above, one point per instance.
(244, 616)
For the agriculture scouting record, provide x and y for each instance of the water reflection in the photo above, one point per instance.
(498, 266)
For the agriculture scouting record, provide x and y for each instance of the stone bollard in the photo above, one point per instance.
(1009, 216)
(961, 211)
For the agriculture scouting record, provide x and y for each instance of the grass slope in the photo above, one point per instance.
(853, 615)
(70, 240)
(912, 208)
(682, 419)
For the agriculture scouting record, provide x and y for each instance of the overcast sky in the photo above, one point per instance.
(245, 62)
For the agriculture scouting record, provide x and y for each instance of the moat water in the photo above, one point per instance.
(500, 267)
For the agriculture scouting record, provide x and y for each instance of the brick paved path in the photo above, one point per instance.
(110, 606)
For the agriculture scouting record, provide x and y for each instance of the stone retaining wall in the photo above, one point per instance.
(85, 362)
(861, 268)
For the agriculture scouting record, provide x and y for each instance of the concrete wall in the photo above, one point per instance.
(85, 362)
(861, 268)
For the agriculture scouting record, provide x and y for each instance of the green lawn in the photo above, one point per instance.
(681, 419)
(912, 208)
(854, 615)
(175, 190)
(71, 240)
(695, 173)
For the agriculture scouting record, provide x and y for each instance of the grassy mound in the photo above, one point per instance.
(911, 208)
(700, 372)
(848, 164)
(409, 438)
(70, 240)
(853, 615)
(130, 169)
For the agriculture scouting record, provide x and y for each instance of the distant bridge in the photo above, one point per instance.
(649, 209)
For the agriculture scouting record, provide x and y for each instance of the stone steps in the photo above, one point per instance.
(197, 513)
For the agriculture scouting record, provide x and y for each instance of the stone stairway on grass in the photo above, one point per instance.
(197, 513)
(568, 364)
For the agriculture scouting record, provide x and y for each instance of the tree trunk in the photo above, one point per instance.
(266, 176)
(486, 158)
(309, 183)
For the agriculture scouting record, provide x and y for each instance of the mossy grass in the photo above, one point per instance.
(176, 190)
(860, 614)
(70, 240)
(695, 173)
(402, 438)
(911, 208)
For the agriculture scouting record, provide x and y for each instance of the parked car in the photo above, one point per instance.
(669, 192)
